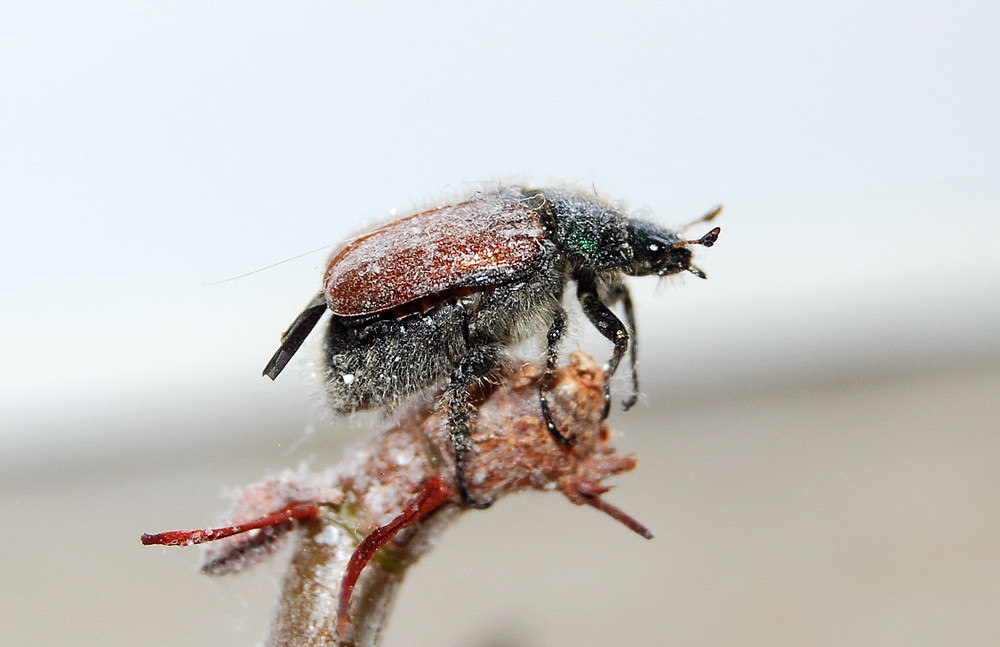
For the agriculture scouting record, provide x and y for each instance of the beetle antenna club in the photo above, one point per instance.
(440, 295)
(706, 241)
(708, 217)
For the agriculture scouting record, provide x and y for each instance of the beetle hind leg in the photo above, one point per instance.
(476, 363)
(295, 335)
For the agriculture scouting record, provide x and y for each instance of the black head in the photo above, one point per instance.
(662, 252)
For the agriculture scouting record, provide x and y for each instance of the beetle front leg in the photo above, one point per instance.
(608, 325)
(621, 293)
(551, 363)
(476, 363)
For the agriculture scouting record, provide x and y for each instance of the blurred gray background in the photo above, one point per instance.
(819, 433)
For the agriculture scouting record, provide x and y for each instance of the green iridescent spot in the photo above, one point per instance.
(584, 243)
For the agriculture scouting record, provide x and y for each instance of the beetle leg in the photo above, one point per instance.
(551, 363)
(476, 363)
(621, 294)
(295, 335)
(608, 325)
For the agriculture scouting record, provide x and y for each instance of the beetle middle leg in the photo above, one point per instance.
(476, 363)
(555, 334)
(613, 330)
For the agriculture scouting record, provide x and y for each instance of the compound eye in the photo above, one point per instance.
(658, 253)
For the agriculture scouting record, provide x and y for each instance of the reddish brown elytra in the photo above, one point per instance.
(416, 257)
(440, 295)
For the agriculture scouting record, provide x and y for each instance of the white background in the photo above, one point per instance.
(148, 152)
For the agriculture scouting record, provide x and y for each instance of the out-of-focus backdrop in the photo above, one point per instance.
(819, 435)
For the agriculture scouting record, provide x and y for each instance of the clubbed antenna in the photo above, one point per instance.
(708, 217)
(706, 241)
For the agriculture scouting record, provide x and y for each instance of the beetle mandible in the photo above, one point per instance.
(440, 294)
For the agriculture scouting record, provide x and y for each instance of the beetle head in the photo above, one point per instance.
(661, 252)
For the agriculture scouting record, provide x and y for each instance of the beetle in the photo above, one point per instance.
(439, 295)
